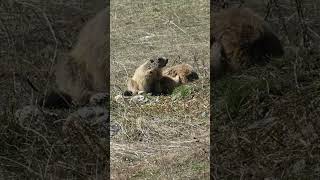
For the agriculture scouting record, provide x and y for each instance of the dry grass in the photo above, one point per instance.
(165, 140)
(33, 34)
(266, 119)
(168, 139)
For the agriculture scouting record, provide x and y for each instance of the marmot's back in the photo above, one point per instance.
(84, 71)
(240, 37)
(243, 33)
(92, 40)
(185, 73)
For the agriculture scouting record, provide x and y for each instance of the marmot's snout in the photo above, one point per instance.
(162, 61)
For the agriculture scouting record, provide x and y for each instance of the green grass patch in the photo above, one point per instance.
(182, 92)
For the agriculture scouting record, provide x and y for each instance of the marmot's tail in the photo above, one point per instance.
(56, 100)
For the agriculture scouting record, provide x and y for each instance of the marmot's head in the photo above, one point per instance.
(192, 76)
(158, 62)
(154, 67)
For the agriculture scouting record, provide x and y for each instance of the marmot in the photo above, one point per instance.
(85, 70)
(159, 82)
(184, 73)
(240, 37)
(175, 76)
(147, 77)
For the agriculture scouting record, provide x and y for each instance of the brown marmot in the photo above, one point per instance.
(184, 73)
(147, 77)
(240, 37)
(175, 76)
(85, 70)
(159, 82)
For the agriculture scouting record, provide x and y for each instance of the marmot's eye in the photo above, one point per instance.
(151, 60)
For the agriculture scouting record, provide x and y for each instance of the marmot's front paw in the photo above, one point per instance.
(141, 92)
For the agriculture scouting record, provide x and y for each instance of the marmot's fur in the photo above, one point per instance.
(85, 71)
(160, 82)
(147, 77)
(240, 37)
(175, 76)
(184, 72)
